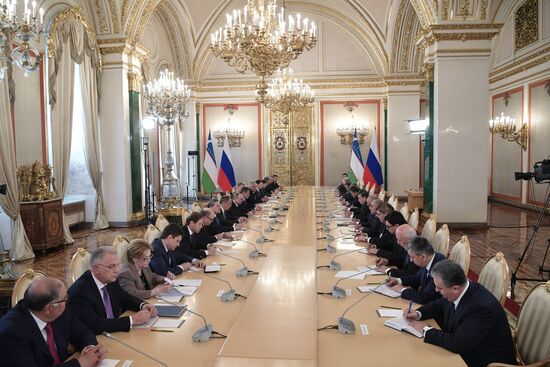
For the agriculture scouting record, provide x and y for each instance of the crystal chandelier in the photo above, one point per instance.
(347, 130)
(234, 135)
(259, 39)
(166, 99)
(287, 94)
(26, 29)
(507, 128)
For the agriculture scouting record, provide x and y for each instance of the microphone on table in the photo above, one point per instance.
(242, 272)
(260, 239)
(338, 292)
(335, 265)
(228, 295)
(269, 228)
(330, 238)
(254, 253)
(206, 332)
(110, 336)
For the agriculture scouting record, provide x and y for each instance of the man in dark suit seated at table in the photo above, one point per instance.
(37, 331)
(473, 323)
(227, 218)
(400, 258)
(165, 259)
(419, 287)
(217, 223)
(97, 298)
(191, 243)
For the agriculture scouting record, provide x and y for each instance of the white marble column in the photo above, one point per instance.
(403, 148)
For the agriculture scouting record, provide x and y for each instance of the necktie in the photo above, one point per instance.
(51, 344)
(144, 280)
(107, 303)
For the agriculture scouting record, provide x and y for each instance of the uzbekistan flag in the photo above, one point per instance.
(226, 175)
(373, 170)
(209, 174)
(356, 169)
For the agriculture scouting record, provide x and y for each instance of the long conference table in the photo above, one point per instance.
(276, 325)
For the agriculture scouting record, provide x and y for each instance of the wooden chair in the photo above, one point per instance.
(184, 214)
(532, 334)
(196, 208)
(460, 253)
(161, 222)
(151, 233)
(494, 276)
(428, 231)
(405, 211)
(23, 282)
(121, 246)
(382, 195)
(392, 200)
(413, 219)
(79, 264)
(441, 240)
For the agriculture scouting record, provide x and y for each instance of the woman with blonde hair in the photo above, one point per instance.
(136, 277)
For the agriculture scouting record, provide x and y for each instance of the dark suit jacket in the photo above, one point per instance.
(216, 227)
(405, 266)
(22, 343)
(235, 212)
(190, 246)
(422, 284)
(206, 236)
(478, 329)
(226, 219)
(86, 303)
(164, 262)
(384, 241)
(131, 282)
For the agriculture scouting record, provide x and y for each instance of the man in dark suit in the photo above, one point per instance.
(165, 259)
(342, 188)
(191, 243)
(237, 209)
(37, 331)
(419, 287)
(97, 299)
(400, 258)
(217, 224)
(225, 217)
(473, 323)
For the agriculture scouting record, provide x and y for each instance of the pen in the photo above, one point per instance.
(410, 306)
(375, 282)
(163, 330)
(392, 308)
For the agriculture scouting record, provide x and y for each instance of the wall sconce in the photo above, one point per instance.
(347, 130)
(234, 135)
(507, 128)
(418, 127)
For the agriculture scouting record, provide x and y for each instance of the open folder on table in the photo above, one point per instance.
(387, 291)
(399, 323)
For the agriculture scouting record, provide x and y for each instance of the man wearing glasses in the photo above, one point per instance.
(97, 298)
(37, 331)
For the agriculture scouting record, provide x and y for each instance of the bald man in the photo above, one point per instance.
(400, 258)
(36, 332)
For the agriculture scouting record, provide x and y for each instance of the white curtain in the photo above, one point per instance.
(20, 249)
(74, 45)
(91, 133)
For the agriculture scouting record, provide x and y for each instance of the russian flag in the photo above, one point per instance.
(226, 175)
(373, 170)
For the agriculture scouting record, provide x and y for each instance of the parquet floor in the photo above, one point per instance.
(502, 235)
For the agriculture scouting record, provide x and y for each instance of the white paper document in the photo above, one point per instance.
(387, 291)
(389, 312)
(187, 282)
(373, 270)
(148, 324)
(187, 291)
(399, 323)
(109, 363)
(366, 288)
(173, 295)
(350, 274)
(167, 323)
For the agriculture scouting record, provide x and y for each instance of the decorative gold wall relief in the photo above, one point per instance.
(526, 22)
(291, 150)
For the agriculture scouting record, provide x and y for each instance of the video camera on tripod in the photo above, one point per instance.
(541, 172)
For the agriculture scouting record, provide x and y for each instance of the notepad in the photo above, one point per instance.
(399, 323)
(350, 274)
(387, 291)
(212, 268)
(148, 324)
(186, 291)
(187, 282)
(366, 288)
(169, 323)
(389, 312)
(170, 310)
(109, 363)
(173, 295)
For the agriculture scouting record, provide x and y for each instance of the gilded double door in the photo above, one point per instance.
(291, 149)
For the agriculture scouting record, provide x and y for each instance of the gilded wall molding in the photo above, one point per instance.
(134, 82)
(465, 51)
(114, 16)
(519, 61)
(520, 69)
(526, 21)
(469, 26)
(100, 16)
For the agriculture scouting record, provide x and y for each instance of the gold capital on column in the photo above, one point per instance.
(134, 82)
(428, 71)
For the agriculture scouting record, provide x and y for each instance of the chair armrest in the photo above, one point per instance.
(544, 363)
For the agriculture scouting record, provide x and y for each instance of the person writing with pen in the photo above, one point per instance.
(472, 321)
(419, 287)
